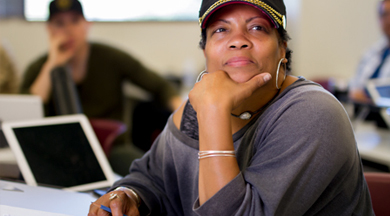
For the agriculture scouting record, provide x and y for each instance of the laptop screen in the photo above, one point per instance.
(379, 91)
(384, 91)
(59, 155)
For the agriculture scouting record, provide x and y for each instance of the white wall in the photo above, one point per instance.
(328, 38)
(333, 35)
(166, 47)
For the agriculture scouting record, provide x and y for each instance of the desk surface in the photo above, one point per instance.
(42, 199)
(373, 143)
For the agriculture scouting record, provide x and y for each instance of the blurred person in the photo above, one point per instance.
(97, 70)
(251, 139)
(8, 74)
(374, 64)
(376, 61)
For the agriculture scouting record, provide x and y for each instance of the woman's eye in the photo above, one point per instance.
(258, 28)
(219, 30)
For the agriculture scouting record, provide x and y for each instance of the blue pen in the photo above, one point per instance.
(105, 208)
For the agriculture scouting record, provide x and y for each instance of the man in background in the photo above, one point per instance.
(98, 72)
(374, 64)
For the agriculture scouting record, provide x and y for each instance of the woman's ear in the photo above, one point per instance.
(49, 29)
(283, 51)
(88, 25)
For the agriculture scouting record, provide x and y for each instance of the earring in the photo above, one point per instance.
(277, 74)
(201, 75)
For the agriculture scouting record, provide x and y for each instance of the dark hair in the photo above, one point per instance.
(283, 37)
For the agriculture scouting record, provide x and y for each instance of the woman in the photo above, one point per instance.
(292, 153)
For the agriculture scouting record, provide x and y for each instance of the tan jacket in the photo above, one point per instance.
(8, 76)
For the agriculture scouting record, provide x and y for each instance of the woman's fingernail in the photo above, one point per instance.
(267, 77)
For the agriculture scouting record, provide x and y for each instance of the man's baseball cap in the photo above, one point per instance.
(58, 6)
(274, 9)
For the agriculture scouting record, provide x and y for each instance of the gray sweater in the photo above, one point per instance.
(299, 157)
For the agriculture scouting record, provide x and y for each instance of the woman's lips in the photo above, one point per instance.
(238, 61)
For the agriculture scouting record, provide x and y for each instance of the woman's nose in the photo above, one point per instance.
(239, 41)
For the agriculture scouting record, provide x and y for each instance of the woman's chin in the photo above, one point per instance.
(241, 78)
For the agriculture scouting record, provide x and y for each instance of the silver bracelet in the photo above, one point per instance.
(216, 155)
(216, 152)
(207, 154)
(121, 188)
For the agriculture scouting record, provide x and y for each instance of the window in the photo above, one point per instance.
(123, 10)
(11, 8)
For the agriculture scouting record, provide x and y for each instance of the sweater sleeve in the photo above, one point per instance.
(304, 162)
(31, 73)
(298, 158)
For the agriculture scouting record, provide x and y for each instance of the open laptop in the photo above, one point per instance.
(379, 90)
(60, 152)
(20, 107)
(15, 107)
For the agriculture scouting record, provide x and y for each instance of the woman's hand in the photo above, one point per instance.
(121, 204)
(218, 89)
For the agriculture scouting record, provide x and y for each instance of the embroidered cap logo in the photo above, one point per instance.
(64, 4)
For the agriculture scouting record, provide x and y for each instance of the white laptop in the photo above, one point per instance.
(15, 107)
(379, 90)
(60, 152)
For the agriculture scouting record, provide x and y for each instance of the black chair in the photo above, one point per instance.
(149, 120)
(64, 93)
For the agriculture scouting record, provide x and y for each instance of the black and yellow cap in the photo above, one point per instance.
(58, 6)
(274, 9)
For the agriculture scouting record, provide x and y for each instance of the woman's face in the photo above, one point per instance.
(242, 41)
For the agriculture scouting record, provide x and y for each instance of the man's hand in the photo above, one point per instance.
(359, 96)
(61, 49)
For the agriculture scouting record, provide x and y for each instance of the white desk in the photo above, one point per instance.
(42, 201)
(373, 143)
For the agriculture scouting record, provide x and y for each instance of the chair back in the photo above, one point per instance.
(107, 131)
(379, 187)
